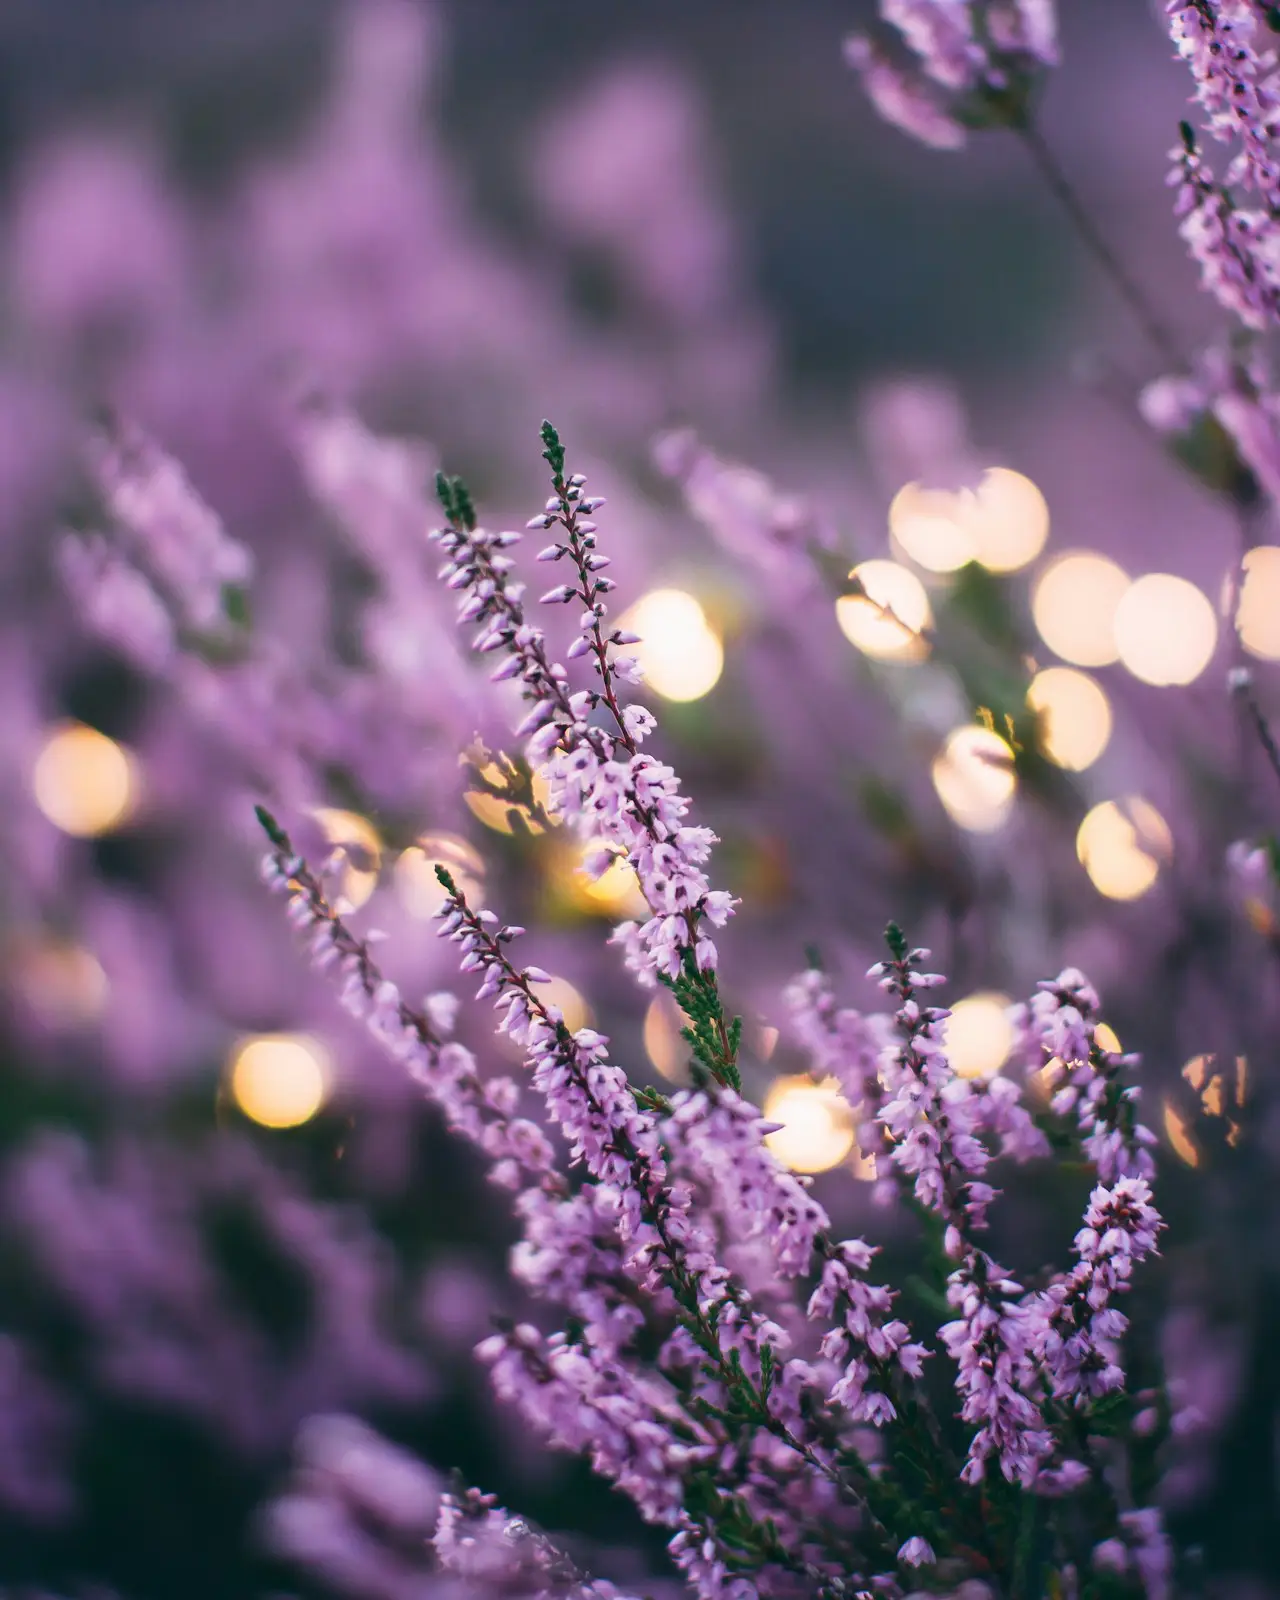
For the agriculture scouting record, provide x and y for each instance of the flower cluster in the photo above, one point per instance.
(972, 63)
(1233, 248)
(1059, 1031)
(1235, 84)
(1077, 1329)
(785, 1450)
(624, 801)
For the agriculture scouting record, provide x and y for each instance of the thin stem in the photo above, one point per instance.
(1091, 236)
(1242, 686)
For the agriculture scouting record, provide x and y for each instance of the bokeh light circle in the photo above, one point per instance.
(886, 621)
(817, 1124)
(280, 1080)
(974, 777)
(679, 651)
(1075, 716)
(1074, 607)
(1122, 846)
(83, 782)
(1165, 629)
(978, 1035)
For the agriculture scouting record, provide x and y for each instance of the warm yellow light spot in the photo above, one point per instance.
(1258, 608)
(494, 812)
(817, 1126)
(1165, 629)
(63, 984)
(85, 783)
(1106, 1038)
(1216, 1093)
(886, 620)
(1178, 1132)
(280, 1079)
(978, 1034)
(680, 652)
(973, 774)
(1009, 520)
(573, 1009)
(1121, 845)
(662, 1041)
(416, 882)
(1074, 605)
(932, 526)
(1075, 716)
(616, 893)
(1196, 1071)
(356, 838)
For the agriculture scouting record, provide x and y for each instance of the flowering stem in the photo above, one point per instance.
(749, 1399)
(1059, 185)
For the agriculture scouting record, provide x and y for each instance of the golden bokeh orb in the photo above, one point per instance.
(1258, 608)
(887, 620)
(280, 1080)
(1165, 629)
(1074, 715)
(974, 777)
(679, 651)
(817, 1125)
(663, 1042)
(83, 782)
(931, 526)
(1009, 520)
(356, 838)
(1074, 607)
(1122, 846)
(978, 1035)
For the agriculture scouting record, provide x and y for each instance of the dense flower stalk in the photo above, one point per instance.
(1235, 84)
(624, 801)
(1059, 1040)
(928, 1110)
(1233, 248)
(783, 1453)
(1077, 1329)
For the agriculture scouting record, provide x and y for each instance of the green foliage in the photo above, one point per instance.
(713, 1039)
(553, 452)
(455, 499)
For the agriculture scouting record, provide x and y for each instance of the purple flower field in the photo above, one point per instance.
(680, 1000)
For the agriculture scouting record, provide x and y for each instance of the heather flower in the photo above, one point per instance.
(970, 64)
(481, 1110)
(714, 1415)
(989, 1342)
(928, 1112)
(1059, 1040)
(872, 1347)
(1234, 71)
(916, 1552)
(1235, 249)
(1075, 1329)
(599, 778)
(173, 533)
(477, 1540)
